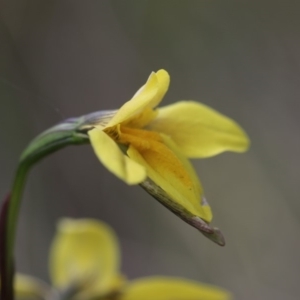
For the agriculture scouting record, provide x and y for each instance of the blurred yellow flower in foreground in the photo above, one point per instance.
(142, 144)
(85, 263)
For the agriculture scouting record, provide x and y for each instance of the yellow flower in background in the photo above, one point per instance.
(142, 144)
(85, 252)
(85, 262)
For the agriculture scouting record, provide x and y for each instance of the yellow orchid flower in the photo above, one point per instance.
(85, 263)
(85, 252)
(142, 144)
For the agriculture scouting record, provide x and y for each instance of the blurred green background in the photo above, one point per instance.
(60, 59)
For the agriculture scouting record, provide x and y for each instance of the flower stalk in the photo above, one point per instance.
(57, 137)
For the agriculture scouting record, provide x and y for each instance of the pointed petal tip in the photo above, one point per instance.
(244, 141)
(212, 233)
(217, 237)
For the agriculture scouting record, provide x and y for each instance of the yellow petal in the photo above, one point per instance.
(164, 288)
(27, 287)
(172, 173)
(163, 78)
(204, 206)
(84, 252)
(199, 130)
(148, 96)
(114, 160)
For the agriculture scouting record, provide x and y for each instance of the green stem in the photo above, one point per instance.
(14, 206)
(50, 141)
(10, 228)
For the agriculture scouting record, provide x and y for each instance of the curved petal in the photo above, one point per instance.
(204, 206)
(114, 160)
(84, 252)
(169, 170)
(148, 96)
(163, 78)
(200, 131)
(164, 288)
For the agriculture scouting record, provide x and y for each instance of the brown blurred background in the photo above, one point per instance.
(60, 59)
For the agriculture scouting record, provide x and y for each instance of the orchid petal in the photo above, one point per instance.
(84, 252)
(164, 288)
(168, 170)
(200, 131)
(114, 160)
(148, 96)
